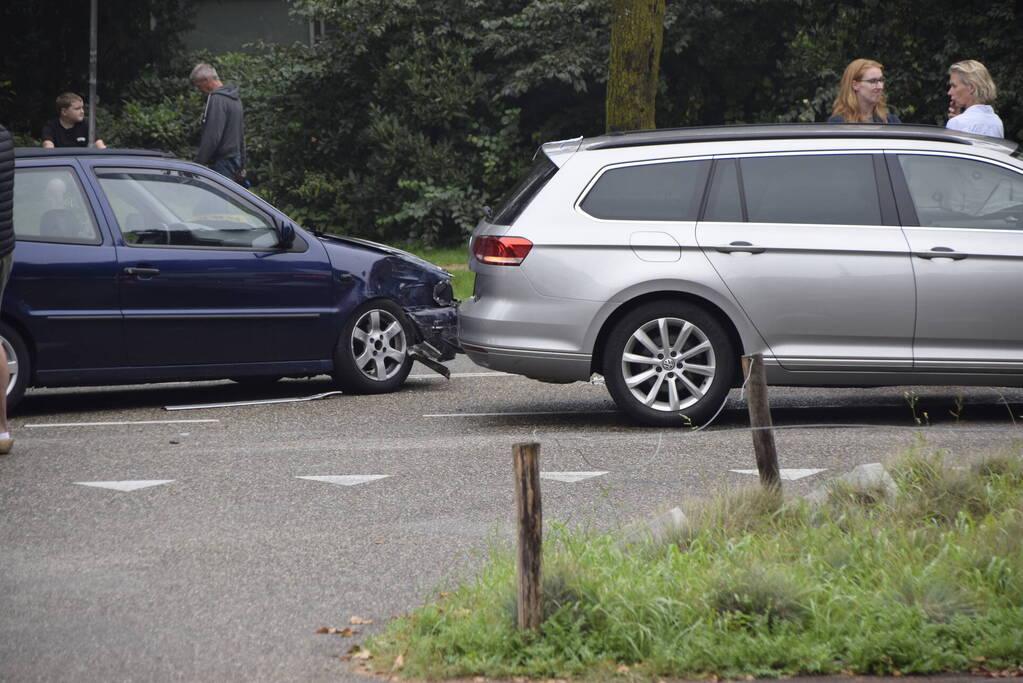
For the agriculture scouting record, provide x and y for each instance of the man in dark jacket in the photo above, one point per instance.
(6, 261)
(222, 146)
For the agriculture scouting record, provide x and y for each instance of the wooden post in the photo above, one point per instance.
(530, 517)
(760, 421)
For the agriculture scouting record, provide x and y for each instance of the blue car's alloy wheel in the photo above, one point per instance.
(373, 354)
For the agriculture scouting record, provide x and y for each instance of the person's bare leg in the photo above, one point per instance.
(5, 378)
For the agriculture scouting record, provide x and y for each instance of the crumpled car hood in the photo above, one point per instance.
(386, 249)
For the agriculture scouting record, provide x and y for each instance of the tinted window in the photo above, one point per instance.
(962, 193)
(651, 192)
(724, 203)
(828, 189)
(181, 209)
(517, 200)
(49, 206)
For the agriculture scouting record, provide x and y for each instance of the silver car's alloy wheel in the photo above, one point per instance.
(378, 345)
(668, 364)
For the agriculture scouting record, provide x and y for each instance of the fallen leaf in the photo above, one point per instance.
(623, 669)
(346, 632)
(399, 662)
(362, 654)
(360, 620)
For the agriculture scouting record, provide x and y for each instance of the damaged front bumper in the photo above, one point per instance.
(437, 332)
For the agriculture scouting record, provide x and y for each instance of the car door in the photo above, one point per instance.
(202, 279)
(814, 254)
(964, 221)
(64, 285)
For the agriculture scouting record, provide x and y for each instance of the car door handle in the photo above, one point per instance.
(744, 247)
(941, 252)
(136, 271)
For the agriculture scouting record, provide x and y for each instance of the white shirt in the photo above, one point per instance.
(980, 119)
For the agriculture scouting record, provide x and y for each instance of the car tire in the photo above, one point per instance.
(641, 370)
(18, 361)
(373, 354)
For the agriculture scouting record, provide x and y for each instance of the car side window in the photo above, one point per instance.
(963, 193)
(50, 206)
(176, 208)
(649, 192)
(828, 189)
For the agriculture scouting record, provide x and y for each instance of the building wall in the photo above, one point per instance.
(228, 25)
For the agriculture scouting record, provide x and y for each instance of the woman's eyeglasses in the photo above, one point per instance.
(871, 81)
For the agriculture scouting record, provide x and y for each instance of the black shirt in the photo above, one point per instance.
(75, 136)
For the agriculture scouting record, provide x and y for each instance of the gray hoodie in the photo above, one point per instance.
(223, 133)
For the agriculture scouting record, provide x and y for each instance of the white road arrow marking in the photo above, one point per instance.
(786, 474)
(132, 485)
(348, 479)
(570, 477)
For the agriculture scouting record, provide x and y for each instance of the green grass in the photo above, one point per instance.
(454, 260)
(932, 582)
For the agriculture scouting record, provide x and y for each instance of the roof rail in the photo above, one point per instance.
(773, 131)
(36, 152)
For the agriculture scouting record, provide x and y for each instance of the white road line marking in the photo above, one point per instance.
(256, 402)
(460, 375)
(570, 477)
(787, 474)
(114, 424)
(131, 485)
(348, 479)
(562, 412)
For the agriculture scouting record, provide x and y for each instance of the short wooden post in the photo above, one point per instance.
(530, 520)
(760, 421)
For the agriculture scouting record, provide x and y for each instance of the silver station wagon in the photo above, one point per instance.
(848, 255)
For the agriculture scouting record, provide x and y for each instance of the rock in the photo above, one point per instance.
(871, 478)
(658, 529)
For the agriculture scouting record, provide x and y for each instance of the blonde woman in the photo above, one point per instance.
(970, 88)
(861, 95)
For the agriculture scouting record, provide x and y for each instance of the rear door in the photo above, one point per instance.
(64, 286)
(809, 245)
(202, 281)
(964, 222)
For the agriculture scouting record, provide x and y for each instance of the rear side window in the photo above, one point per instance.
(650, 192)
(518, 199)
(824, 189)
(49, 206)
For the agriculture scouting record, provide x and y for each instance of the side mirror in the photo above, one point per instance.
(285, 235)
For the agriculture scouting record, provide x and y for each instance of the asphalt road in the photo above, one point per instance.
(244, 536)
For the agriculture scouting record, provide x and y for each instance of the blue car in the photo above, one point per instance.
(133, 266)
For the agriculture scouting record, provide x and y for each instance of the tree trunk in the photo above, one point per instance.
(637, 32)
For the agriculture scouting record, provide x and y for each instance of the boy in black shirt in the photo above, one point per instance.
(70, 128)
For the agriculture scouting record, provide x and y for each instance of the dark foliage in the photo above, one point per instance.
(411, 116)
(46, 51)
